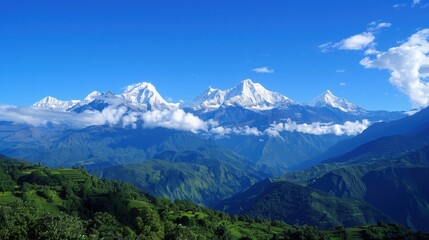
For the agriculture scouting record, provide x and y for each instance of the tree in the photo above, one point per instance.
(105, 226)
(57, 227)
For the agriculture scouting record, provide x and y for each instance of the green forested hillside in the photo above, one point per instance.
(296, 204)
(275, 155)
(391, 179)
(205, 176)
(37, 202)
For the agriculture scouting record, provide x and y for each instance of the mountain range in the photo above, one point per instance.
(271, 130)
(247, 95)
(206, 150)
(385, 167)
(234, 150)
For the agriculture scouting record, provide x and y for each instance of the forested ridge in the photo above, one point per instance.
(37, 202)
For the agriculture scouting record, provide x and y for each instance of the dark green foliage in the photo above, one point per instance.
(296, 204)
(394, 183)
(57, 227)
(204, 176)
(6, 182)
(101, 146)
(71, 204)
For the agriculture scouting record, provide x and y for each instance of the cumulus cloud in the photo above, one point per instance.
(408, 64)
(317, 128)
(176, 119)
(356, 42)
(130, 119)
(416, 2)
(263, 70)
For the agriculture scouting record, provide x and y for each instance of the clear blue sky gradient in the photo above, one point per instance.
(69, 48)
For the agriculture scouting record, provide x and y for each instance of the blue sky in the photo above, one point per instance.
(67, 49)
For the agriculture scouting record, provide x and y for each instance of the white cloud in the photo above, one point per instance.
(348, 128)
(340, 70)
(384, 25)
(416, 2)
(356, 42)
(130, 119)
(361, 41)
(263, 70)
(176, 119)
(371, 50)
(246, 130)
(38, 117)
(342, 84)
(378, 25)
(326, 47)
(408, 64)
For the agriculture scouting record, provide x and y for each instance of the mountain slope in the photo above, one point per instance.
(388, 173)
(401, 177)
(404, 126)
(71, 204)
(275, 155)
(102, 145)
(296, 204)
(205, 175)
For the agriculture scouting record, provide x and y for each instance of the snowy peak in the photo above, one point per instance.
(329, 99)
(210, 99)
(52, 103)
(92, 96)
(97, 101)
(246, 94)
(144, 96)
(253, 95)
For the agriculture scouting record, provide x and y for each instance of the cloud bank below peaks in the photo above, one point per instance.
(112, 116)
(317, 128)
(172, 119)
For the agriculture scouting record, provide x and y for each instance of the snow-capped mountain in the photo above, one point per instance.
(141, 96)
(92, 96)
(327, 99)
(89, 98)
(144, 96)
(210, 99)
(51, 103)
(247, 104)
(99, 102)
(247, 94)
